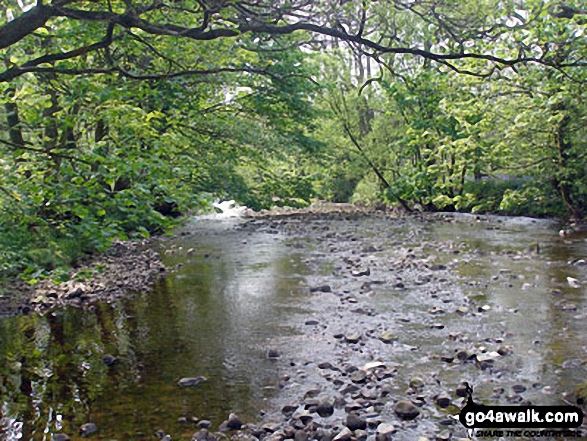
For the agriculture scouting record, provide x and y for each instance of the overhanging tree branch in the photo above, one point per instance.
(233, 19)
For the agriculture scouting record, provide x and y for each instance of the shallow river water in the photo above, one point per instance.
(276, 312)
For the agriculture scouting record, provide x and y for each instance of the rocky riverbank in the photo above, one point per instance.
(125, 269)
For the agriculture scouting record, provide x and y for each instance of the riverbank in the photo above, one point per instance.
(124, 269)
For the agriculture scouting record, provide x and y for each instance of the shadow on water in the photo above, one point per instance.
(232, 295)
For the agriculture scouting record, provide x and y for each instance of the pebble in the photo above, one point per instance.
(191, 381)
(406, 410)
(325, 408)
(344, 435)
(321, 288)
(273, 354)
(234, 423)
(443, 401)
(355, 422)
(388, 337)
(88, 429)
(359, 376)
(352, 338)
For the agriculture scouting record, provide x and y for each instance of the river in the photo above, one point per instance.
(275, 312)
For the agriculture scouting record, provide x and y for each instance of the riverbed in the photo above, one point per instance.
(295, 322)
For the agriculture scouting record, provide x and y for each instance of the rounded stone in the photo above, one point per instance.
(88, 429)
(325, 408)
(355, 422)
(191, 381)
(359, 376)
(406, 410)
(234, 423)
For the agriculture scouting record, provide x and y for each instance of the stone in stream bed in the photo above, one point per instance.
(288, 410)
(321, 288)
(88, 429)
(416, 383)
(355, 422)
(234, 422)
(60, 437)
(204, 435)
(352, 338)
(388, 337)
(344, 435)
(273, 354)
(462, 389)
(191, 381)
(443, 400)
(406, 410)
(359, 376)
(361, 272)
(325, 408)
(384, 432)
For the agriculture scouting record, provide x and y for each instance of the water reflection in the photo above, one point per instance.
(216, 317)
(237, 294)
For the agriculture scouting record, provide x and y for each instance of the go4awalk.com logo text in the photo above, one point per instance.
(526, 421)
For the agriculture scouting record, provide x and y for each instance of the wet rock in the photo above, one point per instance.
(288, 410)
(311, 322)
(301, 435)
(372, 365)
(369, 394)
(273, 354)
(462, 310)
(321, 288)
(359, 376)
(204, 424)
(325, 365)
(573, 283)
(234, 423)
(464, 356)
(384, 432)
(88, 429)
(388, 337)
(60, 437)
(504, 350)
(204, 435)
(191, 381)
(352, 338)
(344, 435)
(360, 435)
(361, 272)
(325, 408)
(462, 390)
(355, 422)
(443, 436)
(519, 388)
(416, 383)
(581, 393)
(406, 410)
(304, 417)
(312, 393)
(437, 267)
(443, 400)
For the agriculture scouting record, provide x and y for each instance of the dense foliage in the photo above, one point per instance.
(119, 116)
